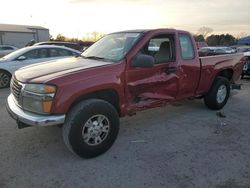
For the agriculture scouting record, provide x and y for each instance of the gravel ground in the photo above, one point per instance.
(181, 145)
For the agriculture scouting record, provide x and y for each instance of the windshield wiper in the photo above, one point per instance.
(94, 57)
(79, 55)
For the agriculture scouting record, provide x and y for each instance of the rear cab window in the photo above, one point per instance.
(187, 48)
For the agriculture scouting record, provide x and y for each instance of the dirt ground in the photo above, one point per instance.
(182, 145)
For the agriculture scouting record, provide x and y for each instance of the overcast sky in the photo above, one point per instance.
(74, 18)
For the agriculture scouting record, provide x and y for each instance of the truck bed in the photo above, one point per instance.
(211, 65)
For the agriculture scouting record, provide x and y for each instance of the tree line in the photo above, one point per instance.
(203, 35)
(217, 40)
(90, 37)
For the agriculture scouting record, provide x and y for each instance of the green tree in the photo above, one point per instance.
(221, 40)
(199, 38)
(51, 38)
(60, 37)
(227, 40)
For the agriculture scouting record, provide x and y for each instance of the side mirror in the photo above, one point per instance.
(21, 58)
(143, 61)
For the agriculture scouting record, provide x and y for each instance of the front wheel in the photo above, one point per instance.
(218, 95)
(5, 78)
(91, 128)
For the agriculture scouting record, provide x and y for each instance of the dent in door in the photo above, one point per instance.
(151, 91)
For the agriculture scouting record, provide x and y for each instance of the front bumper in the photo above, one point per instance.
(25, 119)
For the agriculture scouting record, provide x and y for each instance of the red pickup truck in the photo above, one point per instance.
(120, 74)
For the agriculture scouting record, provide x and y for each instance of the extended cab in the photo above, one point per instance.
(122, 73)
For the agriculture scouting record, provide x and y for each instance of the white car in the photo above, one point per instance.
(215, 50)
(6, 49)
(28, 56)
(227, 50)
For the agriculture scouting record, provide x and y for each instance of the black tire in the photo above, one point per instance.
(76, 124)
(5, 78)
(211, 99)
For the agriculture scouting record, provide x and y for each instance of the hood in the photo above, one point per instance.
(2, 60)
(53, 69)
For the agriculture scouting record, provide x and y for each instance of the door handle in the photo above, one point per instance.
(171, 70)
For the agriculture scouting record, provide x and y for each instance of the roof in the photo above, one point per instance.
(20, 28)
(51, 46)
(56, 42)
(245, 40)
(148, 30)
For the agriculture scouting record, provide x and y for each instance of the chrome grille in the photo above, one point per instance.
(16, 88)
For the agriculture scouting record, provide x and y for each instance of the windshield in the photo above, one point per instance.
(112, 47)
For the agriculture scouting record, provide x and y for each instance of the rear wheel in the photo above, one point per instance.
(91, 128)
(5, 78)
(218, 95)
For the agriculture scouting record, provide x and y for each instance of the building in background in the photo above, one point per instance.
(20, 35)
(244, 41)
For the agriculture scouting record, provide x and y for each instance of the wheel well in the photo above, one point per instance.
(6, 72)
(227, 73)
(108, 95)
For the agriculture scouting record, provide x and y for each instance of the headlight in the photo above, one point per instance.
(40, 88)
(38, 98)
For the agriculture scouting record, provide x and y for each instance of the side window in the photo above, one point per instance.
(63, 52)
(161, 47)
(43, 53)
(33, 54)
(187, 49)
(7, 48)
(53, 52)
(36, 54)
(59, 52)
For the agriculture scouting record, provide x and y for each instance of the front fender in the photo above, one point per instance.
(68, 93)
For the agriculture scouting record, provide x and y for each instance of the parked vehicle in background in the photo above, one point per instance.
(214, 50)
(120, 74)
(72, 45)
(28, 56)
(224, 50)
(201, 45)
(227, 50)
(243, 49)
(85, 44)
(246, 68)
(6, 49)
